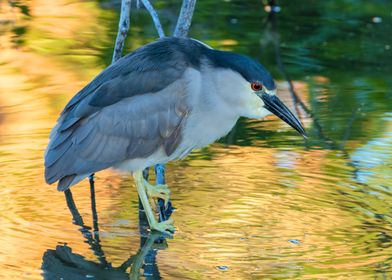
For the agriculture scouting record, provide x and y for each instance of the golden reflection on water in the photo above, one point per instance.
(261, 211)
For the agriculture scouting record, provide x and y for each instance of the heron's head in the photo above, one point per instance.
(250, 87)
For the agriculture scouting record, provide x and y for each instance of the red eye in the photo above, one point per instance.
(256, 86)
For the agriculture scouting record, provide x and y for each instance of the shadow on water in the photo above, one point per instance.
(62, 263)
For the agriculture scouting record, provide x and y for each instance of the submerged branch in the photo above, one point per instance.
(349, 127)
(181, 30)
(297, 101)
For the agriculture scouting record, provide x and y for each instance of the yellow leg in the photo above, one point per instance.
(142, 189)
(158, 191)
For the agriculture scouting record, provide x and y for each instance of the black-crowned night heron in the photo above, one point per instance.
(155, 105)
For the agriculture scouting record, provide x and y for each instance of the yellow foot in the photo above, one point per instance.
(165, 227)
(158, 191)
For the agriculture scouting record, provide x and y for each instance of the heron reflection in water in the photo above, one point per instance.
(63, 263)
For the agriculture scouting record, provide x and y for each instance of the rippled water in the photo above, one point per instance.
(263, 203)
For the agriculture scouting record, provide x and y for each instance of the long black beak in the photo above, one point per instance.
(275, 106)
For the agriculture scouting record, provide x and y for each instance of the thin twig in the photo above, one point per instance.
(182, 28)
(296, 99)
(155, 18)
(294, 95)
(185, 19)
(349, 127)
(123, 28)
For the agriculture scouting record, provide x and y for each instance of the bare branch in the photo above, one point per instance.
(123, 28)
(155, 17)
(350, 126)
(185, 18)
(182, 28)
(297, 101)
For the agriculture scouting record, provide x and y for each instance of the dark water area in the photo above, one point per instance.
(261, 203)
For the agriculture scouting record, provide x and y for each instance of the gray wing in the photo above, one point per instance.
(147, 70)
(128, 111)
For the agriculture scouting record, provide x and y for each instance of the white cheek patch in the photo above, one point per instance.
(263, 113)
(253, 106)
(257, 113)
(270, 92)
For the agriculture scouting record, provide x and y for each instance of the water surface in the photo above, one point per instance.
(262, 203)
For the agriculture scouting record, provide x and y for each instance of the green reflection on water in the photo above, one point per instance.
(240, 201)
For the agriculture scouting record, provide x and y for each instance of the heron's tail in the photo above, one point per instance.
(68, 181)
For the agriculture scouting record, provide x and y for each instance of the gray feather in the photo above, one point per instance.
(61, 138)
(55, 154)
(65, 182)
(148, 69)
(130, 110)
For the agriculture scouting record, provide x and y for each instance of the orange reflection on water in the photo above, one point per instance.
(261, 211)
